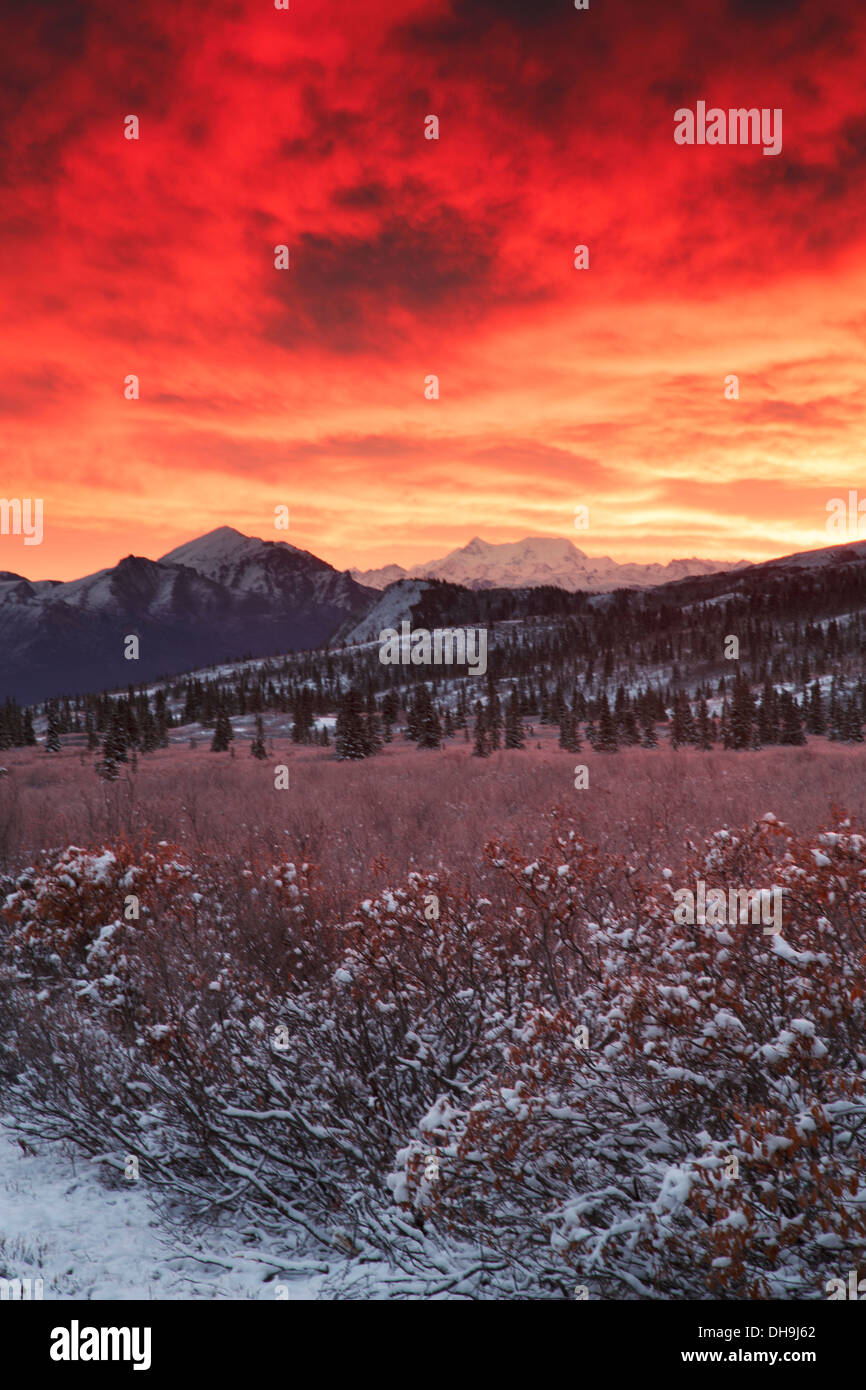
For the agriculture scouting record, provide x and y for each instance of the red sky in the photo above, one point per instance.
(305, 388)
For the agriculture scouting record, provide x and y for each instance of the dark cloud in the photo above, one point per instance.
(474, 19)
(765, 9)
(325, 127)
(346, 289)
(372, 194)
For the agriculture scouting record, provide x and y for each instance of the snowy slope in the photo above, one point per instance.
(394, 605)
(848, 553)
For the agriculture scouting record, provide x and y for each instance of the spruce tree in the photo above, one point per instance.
(742, 717)
(351, 742)
(257, 747)
(223, 732)
(557, 704)
(768, 714)
(851, 723)
(834, 714)
(163, 718)
(428, 729)
(52, 736)
(682, 725)
(816, 722)
(413, 721)
(725, 725)
(149, 733)
(461, 715)
(606, 741)
(114, 743)
(514, 725)
(792, 722)
(481, 747)
(650, 738)
(630, 732)
(569, 738)
(374, 733)
(494, 720)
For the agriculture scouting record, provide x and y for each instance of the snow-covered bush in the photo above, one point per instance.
(710, 1140)
(504, 1093)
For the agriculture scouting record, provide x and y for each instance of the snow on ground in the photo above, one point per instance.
(58, 1222)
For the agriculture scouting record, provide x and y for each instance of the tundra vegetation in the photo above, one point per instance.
(491, 1066)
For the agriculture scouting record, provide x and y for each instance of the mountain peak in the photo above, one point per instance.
(227, 533)
(223, 543)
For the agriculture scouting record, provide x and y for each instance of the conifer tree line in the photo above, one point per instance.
(16, 726)
(747, 720)
(608, 671)
(428, 717)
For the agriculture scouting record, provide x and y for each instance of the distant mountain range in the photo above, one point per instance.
(227, 595)
(539, 560)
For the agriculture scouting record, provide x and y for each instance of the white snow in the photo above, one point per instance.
(392, 608)
(59, 1223)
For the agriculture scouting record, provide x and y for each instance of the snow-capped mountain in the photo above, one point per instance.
(538, 560)
(220, 596)
(271, 570)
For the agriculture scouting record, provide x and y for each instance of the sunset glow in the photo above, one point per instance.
(409, 257)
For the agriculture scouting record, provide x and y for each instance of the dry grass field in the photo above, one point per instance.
(413, 809)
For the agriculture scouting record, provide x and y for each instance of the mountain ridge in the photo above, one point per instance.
(238, 595)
